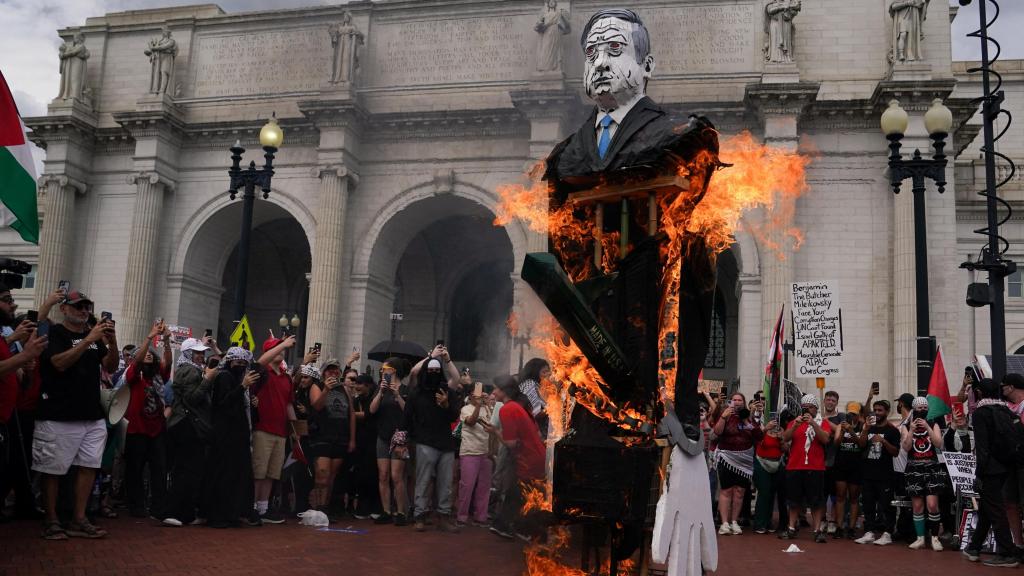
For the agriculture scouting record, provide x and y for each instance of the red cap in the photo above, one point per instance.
(270, 343)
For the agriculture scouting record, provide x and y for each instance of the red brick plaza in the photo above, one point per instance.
(359, 548)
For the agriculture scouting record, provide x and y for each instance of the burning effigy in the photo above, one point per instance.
(634, 224)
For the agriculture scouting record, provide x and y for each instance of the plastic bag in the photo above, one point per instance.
(314, 518)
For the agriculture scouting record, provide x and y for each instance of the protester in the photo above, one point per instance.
(737, 435)
(144, 442)
(881, 440)
(805, 468)
(847, 470)
(925, 475)
(301, 473)
(831, 413)
(519, 433)
(230, 464)
(189, 431)
(1012, 388)
(274, 404)
(364, 470)
(474, 458)
(994, 457)
(768, 473)
(332, 430)
(533, 373)
(71, 428)
(388, 408)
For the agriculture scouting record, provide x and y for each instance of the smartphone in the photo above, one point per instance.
(43, 329)
(874, 388)
(478, 389)
(440, 343)
(387, 378)
(958, 408)
(104, 316)
(851, 417)
(317, 346)
(65, 286)
(212, 363)
(208, 333)
(32, 316)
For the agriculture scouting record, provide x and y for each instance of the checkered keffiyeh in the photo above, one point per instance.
(236, 353)
(311, 371)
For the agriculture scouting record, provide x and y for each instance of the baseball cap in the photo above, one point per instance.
(77, 296)
(329, 363)
(270, 343)
(191, 344)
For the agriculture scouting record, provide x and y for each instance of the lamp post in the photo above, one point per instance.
(522, 341)
(289, 328)
(249, 178)
(938, 121)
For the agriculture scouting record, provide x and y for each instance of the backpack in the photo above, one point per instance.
(1009, 437)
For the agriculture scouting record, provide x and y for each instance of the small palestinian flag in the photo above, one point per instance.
(17, 171)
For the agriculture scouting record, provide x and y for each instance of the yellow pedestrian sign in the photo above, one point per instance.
(242, 336)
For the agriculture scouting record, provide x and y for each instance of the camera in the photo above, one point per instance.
(12, 272)
(743, 413)
(851, 417)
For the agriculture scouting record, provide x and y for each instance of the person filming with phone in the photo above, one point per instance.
(737, 434)
(805, 469)
(926, 477)
(880, 441)
(387, 408)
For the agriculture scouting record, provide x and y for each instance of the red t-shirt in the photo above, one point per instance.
(28, 398)
(8, 386)
(142, 419)
(799, 457)
(274, 397)
(516, 424)
(770, 447)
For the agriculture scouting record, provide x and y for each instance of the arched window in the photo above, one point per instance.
(716, 343)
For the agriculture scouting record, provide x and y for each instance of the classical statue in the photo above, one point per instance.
(345, 40)
(161, 52)
(908, 18)
(552, 25)
(73, 56)
(778, 25)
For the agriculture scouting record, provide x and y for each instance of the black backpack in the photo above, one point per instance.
(1009, 437)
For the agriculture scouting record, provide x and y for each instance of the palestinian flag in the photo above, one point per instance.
(17, 171)
(939, 401)
(773, 367)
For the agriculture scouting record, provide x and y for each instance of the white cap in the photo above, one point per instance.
(191, 344)
(434, 363)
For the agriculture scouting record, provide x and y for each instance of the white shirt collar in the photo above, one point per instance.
(619, 114)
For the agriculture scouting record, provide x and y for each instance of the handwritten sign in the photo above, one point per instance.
(961, 470)
(817, 330)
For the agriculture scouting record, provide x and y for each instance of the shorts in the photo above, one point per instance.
(335, 448)
(1012, 488)
(267, 455)
(805, 488)
(384, 451)
(728, 478)
(926, 479)
(849, 471)
(829, 481)
(58, 445)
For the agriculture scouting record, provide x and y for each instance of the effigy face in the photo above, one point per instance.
(614, 72)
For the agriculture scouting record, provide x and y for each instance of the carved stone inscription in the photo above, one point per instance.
(450, 51)
(261, 62)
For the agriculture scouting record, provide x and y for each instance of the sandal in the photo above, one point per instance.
(107, 512)
(84, 529)
(53, 531)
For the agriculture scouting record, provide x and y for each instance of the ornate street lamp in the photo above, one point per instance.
(938, 121)
(271, 137)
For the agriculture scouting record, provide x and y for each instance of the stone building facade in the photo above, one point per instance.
(385, 186)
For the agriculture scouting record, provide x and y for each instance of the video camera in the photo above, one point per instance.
(12, 272)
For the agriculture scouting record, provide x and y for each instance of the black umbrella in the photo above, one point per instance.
(401, 348)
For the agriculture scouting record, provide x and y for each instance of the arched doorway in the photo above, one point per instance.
(443, 265)
(279, 259)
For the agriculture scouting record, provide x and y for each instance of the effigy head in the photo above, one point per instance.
(618, 61)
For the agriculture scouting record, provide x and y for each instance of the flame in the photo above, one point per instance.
(543, 559)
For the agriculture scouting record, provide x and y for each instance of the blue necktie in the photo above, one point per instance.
(606, 135)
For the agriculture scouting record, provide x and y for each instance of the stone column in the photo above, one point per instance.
(750, 349)
(56, 234)
(137, 312)
(904, 305)
(324, 319)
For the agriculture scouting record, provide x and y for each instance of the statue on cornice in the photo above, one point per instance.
(908, 18)
(73, 56)
(779, 14)
(161, 52)
(345, 40)
(552, 25)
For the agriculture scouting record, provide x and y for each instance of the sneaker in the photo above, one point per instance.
(884, 540)
(725, 530)
(501, 532)
(850, 533)
(272, 518)
(383, 519)
(359, 516)
(53, 531)
(401, 520)
(972, 554)
(867, 538)
(446, 524)
(760, 531)
(838, 534)
(84, 529)
(917, 544)
(1001, 561)
(831, 527)
(736, 529)
(479, 524)
(936, 545)
(787, 534)
(254, 519)
(523, 537)
(820, 538)
(419, 525)
(172, 522)
(197, 522)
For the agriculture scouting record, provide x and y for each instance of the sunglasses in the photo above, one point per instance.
(347, 378)
(7, 299)
(82, 306)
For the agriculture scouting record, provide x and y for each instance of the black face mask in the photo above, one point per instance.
(238, 372)
(150, 370)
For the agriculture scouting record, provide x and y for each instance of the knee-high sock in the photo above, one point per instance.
(919, 526)
(934, 519)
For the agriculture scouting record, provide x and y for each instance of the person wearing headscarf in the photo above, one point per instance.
(228, 493)
(808, 434)
(188, 431)
(925, 476)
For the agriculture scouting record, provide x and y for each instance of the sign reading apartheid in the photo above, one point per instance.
(817, 330)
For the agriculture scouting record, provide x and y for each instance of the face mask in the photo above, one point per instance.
(149, 370)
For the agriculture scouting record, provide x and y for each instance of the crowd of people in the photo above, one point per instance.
(225, 438)
(866, 473)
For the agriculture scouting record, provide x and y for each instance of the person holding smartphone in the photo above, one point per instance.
(387, 408)
(332, 438)
(925, 476)
(805, 469)
(737, 435)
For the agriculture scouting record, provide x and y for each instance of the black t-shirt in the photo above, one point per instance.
(366, 429)
(849, 451)
(330, 423)
(389, 414)
(75, 393)
(877, 461)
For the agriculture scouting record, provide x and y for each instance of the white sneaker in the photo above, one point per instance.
(172, 522)
(198, 522)
(884, 540)
(867, 538)
(736, 528)
(936, 545)
(917, 544)
(725, 530)
(831, 528)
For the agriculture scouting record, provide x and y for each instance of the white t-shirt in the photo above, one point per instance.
(475, 440)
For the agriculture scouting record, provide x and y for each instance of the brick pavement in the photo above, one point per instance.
(142, 547)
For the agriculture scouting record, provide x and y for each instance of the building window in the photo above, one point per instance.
(30, 279)
(716, 344)
(1013, 285)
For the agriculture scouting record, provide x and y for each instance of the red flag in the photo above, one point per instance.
(939, 401)
(298, 454)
